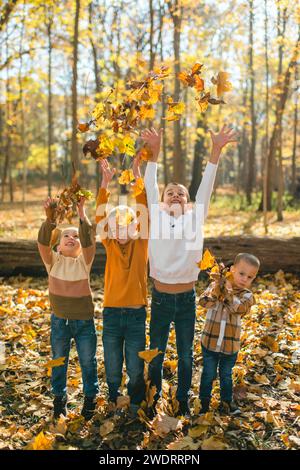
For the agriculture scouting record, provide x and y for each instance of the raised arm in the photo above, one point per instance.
(86, 235)
(153, 139)
(45, 232)
(103, 194)
(205, 189)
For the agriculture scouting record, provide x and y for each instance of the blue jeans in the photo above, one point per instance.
(84, 334)
(124, 332)
(180, 309)
(211, 361)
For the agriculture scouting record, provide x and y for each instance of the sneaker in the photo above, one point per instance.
(204, 405)
(59, 406)
(229, 408)
(88, 408)
(184, 409)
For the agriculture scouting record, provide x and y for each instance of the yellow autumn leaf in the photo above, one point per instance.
(42, 442)
(208, 261)
(147, 112)
(138, 187)
(149, 354)
(55, 362)
(222, 83)
(126, 177)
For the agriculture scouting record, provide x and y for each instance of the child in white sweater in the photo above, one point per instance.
(175, 248)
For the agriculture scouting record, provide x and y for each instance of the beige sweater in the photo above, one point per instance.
(69, 287)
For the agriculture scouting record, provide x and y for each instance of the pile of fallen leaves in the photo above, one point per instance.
(266, 381)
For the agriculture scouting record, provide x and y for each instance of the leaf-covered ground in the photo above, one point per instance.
(266, 380)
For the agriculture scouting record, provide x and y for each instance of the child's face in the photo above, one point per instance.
(69, 244)
(175, 194)
(243, 274)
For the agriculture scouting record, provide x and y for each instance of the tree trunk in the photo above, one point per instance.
(50, 123)
(21, 256)
(8, 9)
(163, 101)
(179, 160)
(266, 159)
(251, 157)
(281, 34)
(152, 54)
(199, 153)
(74, 144)
(295, 126)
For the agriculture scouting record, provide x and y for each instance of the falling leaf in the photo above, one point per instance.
(222, 83)
(149, 354)
(83, 127)
(126, 177)
(60, 361)
(138, 187)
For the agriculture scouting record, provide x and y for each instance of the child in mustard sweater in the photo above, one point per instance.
(125, 289)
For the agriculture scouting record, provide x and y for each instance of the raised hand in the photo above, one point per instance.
(225, 136)
(50, 209)
(153, 139)
(80, 207)
(107, 173)
(219, 140)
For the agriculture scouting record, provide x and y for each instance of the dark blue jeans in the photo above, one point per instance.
(84, 334)
(124, 332)
(211, 361)
(180, 309)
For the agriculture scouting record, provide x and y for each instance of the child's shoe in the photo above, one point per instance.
(204, 405)
(88, 408)
(229, 408)
(184, 409)
(59, 406)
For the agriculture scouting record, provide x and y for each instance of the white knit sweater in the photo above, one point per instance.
(176, 244)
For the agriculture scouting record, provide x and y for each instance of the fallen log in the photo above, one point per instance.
(22, 256)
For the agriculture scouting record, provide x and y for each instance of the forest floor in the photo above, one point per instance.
(266, 380)
(225, 216)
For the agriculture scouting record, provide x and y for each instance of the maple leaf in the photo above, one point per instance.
(222, 83)
(43, 441)
(55, 362)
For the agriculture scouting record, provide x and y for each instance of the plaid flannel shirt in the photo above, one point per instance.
(222, 327)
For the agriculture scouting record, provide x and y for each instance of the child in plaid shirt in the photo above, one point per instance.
(220, 338)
